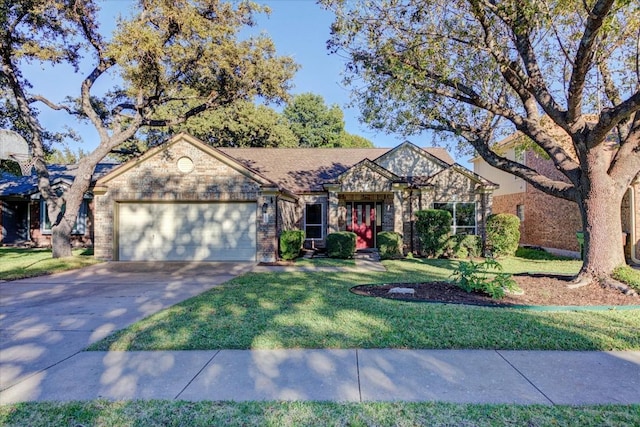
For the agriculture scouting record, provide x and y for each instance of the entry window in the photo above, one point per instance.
(80, 227)
(520, 212)
(313, 220)
(463, 216)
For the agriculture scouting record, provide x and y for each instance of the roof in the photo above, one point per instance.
(11, 185)
(306, 170)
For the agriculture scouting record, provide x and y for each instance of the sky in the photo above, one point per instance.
(299, 28)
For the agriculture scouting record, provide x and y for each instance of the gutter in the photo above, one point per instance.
(633, 210)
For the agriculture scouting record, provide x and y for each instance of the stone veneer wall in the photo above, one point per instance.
(157, 178)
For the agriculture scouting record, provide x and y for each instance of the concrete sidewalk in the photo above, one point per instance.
(461, 376)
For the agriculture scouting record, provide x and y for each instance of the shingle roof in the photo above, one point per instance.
(11, 185)
(304, 170)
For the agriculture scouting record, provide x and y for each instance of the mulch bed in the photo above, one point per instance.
(539, 289)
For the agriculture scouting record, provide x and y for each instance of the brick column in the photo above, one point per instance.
(333, 210)
(398, 211)
(267, 239)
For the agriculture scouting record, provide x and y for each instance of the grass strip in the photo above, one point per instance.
(21, 263)
(103, 413)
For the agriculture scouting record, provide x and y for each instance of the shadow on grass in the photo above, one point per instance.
(316, 310)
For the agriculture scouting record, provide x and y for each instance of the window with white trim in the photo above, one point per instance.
(80, 226)
(313, 220)
(463, 216)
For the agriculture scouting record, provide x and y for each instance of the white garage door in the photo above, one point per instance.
(187, 231)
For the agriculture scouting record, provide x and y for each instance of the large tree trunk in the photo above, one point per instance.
(602, 224)
(61, 241)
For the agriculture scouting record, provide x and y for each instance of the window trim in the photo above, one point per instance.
(454, 226)
(322, 221)
(80, 226)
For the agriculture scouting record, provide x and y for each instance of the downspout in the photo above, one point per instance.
(633, 211)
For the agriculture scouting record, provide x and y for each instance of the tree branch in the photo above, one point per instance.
(584, 57)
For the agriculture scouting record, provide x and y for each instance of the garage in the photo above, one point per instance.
(224, 231)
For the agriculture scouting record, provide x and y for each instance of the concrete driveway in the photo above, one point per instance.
(48, 319)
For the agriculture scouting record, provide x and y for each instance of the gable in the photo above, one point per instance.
(408, 160)
(183, 166)
(368, 177)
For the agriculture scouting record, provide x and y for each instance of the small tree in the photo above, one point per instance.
(433, 227)
(503, 234)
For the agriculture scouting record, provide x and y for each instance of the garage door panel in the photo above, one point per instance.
(183, 231)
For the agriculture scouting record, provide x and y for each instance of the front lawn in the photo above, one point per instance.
(20, 263)
(316, 310)
(103, 413)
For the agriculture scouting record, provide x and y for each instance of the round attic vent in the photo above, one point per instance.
(185, 164)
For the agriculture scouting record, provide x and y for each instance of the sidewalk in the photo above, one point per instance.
(460, 376)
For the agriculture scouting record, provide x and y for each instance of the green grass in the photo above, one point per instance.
(316, 310)
(628, 275)
(102, 413)
(532, 253)
(20, 263)
(325, 262)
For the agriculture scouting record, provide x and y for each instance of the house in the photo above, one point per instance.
(548, 221)
(185, 200)
(23, 218)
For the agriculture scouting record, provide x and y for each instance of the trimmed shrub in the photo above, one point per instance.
(464, 246)
(341, 244)
(291, 243)
(433, 227)
(503, 234)
(389, 244)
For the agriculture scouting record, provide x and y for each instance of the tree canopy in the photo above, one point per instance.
(183, 56)
(317, 125)
(563, 73)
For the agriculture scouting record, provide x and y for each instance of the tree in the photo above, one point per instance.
(183, 55)
(313, 122)
(240, 124)
(65, 156)
(564, 73)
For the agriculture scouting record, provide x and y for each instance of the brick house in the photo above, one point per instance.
(548, 221)
(185, 200)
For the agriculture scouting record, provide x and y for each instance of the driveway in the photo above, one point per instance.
(48, 319)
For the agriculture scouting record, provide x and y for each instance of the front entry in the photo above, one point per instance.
(364, 219)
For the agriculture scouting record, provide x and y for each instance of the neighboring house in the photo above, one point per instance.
(23, 219)
(185, 200)
(548, 221)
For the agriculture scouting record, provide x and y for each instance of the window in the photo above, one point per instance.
(463, 216)
(520, 212)
(80, 227)
(313, 214)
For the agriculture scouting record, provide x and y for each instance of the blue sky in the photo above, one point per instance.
(299, 28)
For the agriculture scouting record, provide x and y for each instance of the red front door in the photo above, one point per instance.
(362, 221)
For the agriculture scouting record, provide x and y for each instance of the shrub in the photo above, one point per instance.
(341, 244)
(472, 276)
(503, 234)
(291, 243)
(433, 227)
(464, 245)
(389, 244)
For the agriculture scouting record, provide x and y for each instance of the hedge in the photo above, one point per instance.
(291, 243)
(433, 227)
(389, 244)
(503, 234)
(341, 244)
